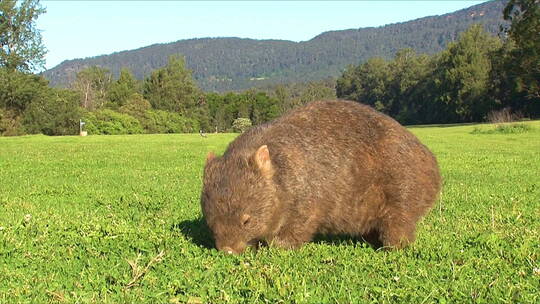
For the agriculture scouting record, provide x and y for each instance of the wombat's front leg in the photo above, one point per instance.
(286, 243)
(291, 239)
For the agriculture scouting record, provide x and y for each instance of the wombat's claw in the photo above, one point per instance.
(228, 250)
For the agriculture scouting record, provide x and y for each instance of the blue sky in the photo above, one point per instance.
(78, 29)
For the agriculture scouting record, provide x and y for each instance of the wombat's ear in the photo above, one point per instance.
(245, 219)
(263, 161)
(210, 156)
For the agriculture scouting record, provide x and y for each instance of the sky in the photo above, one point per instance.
(79, 29)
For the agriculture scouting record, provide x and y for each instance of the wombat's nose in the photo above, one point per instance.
(227, 250)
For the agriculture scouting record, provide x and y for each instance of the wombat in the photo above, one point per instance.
(331, 167)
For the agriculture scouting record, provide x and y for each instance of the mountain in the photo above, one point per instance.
(222, 64)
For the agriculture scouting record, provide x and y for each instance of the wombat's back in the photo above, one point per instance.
(335, 134)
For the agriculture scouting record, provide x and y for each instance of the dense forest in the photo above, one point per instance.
(474, 76)
(224, 64)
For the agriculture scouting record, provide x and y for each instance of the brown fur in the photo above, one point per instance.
(331, 167)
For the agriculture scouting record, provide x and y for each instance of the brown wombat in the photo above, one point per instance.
(331, 167)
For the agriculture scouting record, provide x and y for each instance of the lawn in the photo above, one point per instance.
(116, 219)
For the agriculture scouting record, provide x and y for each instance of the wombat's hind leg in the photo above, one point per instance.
(396, 232)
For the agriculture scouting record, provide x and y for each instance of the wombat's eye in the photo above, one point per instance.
(245, 219)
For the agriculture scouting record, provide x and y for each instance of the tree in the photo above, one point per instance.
(57, 114)
(136, 106)
(524, 69)
(171, 88)
(220, 118)
(21, 52)
(366, 83)
(503, 78)
(21, 47)
(525, 28)
(282, 94)
(263, 107)
(408, 71)
(313, 91)
(290, 96)
(93, 84)
(419, 104)
(122, 89)
(462, 79)
(18, 89)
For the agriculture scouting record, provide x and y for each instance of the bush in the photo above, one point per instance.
(56, 114)
(158, 121)
(241, 124)
(10, 123)
(109, 122)
(512, 128)
(136, 106)
(504, 115)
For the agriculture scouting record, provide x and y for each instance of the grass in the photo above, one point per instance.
(502, 128)
(116, 219)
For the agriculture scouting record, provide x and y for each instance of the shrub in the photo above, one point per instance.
(10, 123)
(56, 114)
(512, 128)
(502, 120)
(158, 121)
(136, 106)
(111, 123)
(241, 124)
(504, 115)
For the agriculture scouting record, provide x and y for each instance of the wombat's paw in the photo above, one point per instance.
(395, 246)
(285, 243)
(257, 244)
(397, 239)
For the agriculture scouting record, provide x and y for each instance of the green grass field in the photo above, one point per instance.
(116, 219)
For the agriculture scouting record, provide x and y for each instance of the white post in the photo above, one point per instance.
(81, 132)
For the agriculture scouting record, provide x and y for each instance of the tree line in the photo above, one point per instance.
(474, 75)
(168, 101)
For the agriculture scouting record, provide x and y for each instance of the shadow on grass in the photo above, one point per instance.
(196, 231)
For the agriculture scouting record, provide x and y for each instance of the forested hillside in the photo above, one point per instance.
(222, 64)
(476, 77)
